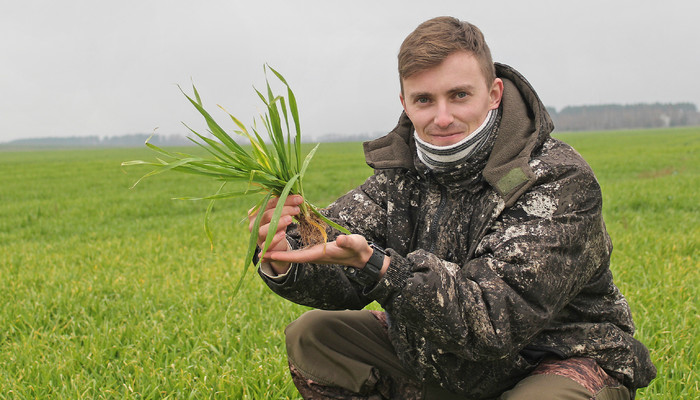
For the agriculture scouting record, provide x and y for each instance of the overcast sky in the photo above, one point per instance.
(93, 67)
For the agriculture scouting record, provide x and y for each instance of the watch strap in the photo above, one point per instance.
(369, 274)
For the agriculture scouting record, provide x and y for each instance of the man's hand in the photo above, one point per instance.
(351, 250)
(279, 242)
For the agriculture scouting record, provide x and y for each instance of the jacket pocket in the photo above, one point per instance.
(533, 354)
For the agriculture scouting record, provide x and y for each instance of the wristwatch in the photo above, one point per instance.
(369, 274)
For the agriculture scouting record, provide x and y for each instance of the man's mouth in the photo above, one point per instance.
(448, 134)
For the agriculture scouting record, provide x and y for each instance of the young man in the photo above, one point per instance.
(488, 251)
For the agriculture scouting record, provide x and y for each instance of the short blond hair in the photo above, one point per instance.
(434, 40)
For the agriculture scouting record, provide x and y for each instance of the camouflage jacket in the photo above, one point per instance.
(494, 265)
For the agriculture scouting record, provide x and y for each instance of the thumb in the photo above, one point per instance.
(343, 241)
(353, 242)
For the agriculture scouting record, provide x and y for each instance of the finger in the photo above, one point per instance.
(310, 254)
(252, 216)
(293, 200)
(268, 214)
(253, 212)
(282, 225)
(286, 210)
(343, 241)
(279, 243)
(284, 221)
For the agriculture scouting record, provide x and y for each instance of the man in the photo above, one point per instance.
(488, 251)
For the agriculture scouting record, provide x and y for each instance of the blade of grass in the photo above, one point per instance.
(258, 145)
(295, 114)
(252, 242)
(213, 144)
(223, 196)
(325, 219)
(304, 166)
(277, 214)
(216, 130)
(159, 170)
(210, 207)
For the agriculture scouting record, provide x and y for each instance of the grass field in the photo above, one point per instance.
(108, 292)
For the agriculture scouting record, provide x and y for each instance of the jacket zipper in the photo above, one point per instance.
(436, 218)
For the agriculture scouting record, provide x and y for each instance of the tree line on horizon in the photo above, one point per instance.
(616, 116)
(128, 140)
(568, 119)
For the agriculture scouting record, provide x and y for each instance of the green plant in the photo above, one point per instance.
(274, 169)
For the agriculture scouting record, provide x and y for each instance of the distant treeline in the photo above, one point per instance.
(615, 116)
(578, 118)
(130, 140)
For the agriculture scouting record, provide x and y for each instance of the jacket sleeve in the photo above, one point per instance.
(535, 257)
(327, 286)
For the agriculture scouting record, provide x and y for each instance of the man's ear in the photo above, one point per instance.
(403, 102)
(496, 93)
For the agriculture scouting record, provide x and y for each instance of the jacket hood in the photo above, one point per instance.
(525, 125)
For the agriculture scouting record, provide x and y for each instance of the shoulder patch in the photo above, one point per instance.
(514, 178)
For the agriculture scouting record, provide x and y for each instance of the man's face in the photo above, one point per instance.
(448, 102)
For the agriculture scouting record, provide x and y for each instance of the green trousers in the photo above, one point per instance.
(348, 355)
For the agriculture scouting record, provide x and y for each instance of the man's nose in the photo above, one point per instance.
(443, 116)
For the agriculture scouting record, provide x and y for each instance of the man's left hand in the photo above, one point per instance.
(351, 250)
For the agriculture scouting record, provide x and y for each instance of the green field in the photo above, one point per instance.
(108, 292)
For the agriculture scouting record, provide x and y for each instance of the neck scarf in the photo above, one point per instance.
(444, 157)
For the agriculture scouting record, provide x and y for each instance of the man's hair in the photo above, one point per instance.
(435, 39)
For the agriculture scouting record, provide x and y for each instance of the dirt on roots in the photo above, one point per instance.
(312, 229)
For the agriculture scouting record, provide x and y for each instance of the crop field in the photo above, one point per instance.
(109, 292)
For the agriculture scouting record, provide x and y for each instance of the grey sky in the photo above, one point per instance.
(89, 67)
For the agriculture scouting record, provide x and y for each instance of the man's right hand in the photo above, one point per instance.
(279, 242)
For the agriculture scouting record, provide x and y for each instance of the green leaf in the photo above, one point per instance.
(212, 145)
(252, 242)
(307, 160)
(222, 196)
(325, 219)
(277, 214)
(216, 130)
(293, 109)
(210, 207)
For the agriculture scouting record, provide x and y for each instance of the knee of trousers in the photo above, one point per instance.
(308, 336)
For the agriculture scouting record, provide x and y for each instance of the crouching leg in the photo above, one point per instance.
(346, 355)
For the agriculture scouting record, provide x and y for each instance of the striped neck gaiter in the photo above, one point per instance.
(444, 157)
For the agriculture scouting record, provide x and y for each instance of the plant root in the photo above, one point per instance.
(312, 229)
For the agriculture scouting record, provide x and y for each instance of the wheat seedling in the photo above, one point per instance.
(275, 168)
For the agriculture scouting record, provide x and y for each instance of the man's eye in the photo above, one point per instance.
(422, 100)
(461, 95)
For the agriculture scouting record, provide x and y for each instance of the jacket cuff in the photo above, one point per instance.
(265, 269)
(280, 280)
(393, 281)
